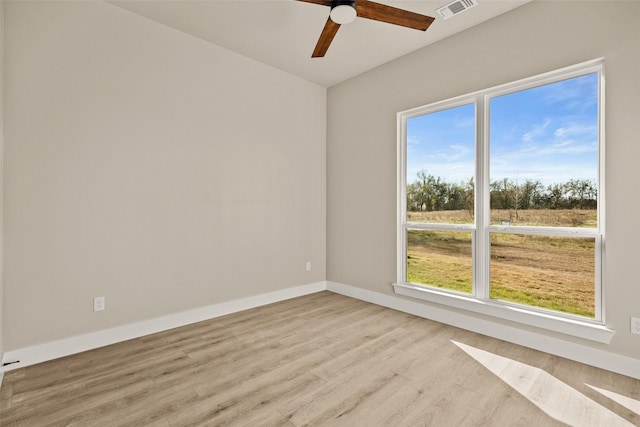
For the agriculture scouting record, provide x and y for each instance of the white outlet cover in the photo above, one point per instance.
(98, 303)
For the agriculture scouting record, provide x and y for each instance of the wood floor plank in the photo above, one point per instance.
(321, 359)
(243, 402)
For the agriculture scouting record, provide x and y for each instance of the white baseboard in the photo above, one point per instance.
(65, 347)
(569, 350)
(581, 353)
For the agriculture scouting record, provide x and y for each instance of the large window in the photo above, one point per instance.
(501, 199)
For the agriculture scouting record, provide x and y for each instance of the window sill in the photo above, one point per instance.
(592, 331)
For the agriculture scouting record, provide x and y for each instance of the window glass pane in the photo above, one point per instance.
(544, 154)
(555, 273)
(440, 258)
(441, 166)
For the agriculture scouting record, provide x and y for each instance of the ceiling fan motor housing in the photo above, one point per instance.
(343, 11)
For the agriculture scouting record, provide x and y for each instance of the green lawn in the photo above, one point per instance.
(555, 273)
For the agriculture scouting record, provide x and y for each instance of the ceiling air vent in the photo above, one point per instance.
(456, 7)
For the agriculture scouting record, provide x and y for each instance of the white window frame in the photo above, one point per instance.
(479, 302)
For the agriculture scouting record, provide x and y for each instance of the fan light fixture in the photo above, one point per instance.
(343, 12)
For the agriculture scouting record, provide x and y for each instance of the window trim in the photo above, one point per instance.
(479, 301)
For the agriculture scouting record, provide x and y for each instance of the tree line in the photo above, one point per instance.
(429, 193)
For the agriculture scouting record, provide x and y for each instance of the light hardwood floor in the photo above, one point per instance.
(322, 359)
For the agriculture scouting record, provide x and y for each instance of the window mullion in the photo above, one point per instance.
(481, 248)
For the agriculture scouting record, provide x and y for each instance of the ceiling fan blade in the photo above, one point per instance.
(321, 2)
(328, 33)
(392, 15)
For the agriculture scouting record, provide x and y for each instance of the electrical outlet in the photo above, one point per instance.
(308, 266)
(98, 304)
(635, 325)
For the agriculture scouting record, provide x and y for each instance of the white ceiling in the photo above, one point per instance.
(283, 33)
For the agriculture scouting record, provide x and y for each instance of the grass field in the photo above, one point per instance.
(555, 273)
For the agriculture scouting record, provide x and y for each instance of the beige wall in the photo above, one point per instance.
(150, 167)
(539, 37)
(1, 182)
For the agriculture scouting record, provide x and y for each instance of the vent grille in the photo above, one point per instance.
(456, 7)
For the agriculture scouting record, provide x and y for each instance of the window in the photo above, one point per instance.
(501, 201)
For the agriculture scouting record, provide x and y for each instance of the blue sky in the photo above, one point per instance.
(548, 133)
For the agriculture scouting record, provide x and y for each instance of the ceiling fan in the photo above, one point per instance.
(345, 11)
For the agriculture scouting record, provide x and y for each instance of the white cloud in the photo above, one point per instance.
(458, 151)
(575, 129)
(539, 130)
(465, 122)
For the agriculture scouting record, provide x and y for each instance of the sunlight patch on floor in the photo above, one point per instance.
(548, 393)
(627, 402)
